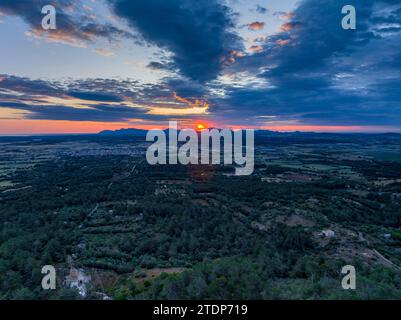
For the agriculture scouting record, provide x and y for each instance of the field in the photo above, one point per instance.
(313, 205)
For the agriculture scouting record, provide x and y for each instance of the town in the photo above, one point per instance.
(210, 144)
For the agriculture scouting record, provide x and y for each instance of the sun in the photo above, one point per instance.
(200, 126)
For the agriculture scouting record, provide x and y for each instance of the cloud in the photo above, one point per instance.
(256, 25)
(284, 15)
(104, 52)
(100, 112)
(282, 42)
(95, 96)
(286, 27)
(232, 57)
(316, 73)
(26, 86)
(198, 33)
(161, 66)
(256, 48)
(100, 100)
(260, 9)
(73, 27)
(311, 72)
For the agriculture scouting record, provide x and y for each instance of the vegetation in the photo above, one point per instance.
(228, 237)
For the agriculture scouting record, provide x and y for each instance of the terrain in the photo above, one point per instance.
(92, 207)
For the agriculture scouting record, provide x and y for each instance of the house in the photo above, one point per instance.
(328, 234)
(77, 279)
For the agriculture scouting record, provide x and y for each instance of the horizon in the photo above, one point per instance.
(166, 128)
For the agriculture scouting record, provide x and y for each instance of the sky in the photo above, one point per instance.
(281, 65)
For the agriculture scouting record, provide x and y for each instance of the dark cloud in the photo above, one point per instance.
(34, 96)
(260, 9)
(314, 72)
(318, 73)
(102, 113)
(27, 86)
(318, 35)
(154, 65)
(104, 100)
(70, 28)
(95, 96)
(186, 89)
(198, 33)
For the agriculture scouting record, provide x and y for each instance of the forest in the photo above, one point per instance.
(198, 232)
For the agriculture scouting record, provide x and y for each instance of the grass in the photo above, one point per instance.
(387, 156)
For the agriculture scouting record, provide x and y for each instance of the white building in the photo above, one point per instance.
(78, 280)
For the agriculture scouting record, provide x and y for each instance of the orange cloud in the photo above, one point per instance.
(287, 16)
(282, 42)
(256, 48)
(197, 104)
(58, 36)
(287, 27)
(231, 58)
(163, 111)
(195, 107)
(256, 25)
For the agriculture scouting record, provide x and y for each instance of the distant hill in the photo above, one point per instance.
(124, 132)
(261, 133)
